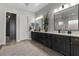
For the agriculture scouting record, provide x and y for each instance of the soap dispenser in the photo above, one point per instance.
(69, 32)
(59, 31)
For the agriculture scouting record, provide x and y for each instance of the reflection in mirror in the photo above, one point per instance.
(73, 24)
(60, 23)
(67, 19)
(39, 21)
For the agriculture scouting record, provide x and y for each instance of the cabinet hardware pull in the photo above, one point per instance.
(76, 39)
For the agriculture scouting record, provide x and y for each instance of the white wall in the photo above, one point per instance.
(25, 21)
(2, 24)
(22, 31)
(51, 22)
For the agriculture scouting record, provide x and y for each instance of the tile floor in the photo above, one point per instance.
(27, 48)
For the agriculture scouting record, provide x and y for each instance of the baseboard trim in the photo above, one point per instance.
(23, 40)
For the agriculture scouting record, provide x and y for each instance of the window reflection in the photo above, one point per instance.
(60, 23)
(73, 24)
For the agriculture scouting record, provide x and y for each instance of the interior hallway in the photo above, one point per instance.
(27, 48)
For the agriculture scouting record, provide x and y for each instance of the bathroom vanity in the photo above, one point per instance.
(66, 44)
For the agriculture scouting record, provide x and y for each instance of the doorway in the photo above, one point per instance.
(10, 28)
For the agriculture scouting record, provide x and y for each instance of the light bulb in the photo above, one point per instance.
(66, 6)
(40, 17)
(56, 10)
(72, 4)
(60, 8)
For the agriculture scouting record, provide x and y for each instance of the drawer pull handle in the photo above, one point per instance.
(76, 39)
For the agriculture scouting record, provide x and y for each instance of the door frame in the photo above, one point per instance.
(5, 25)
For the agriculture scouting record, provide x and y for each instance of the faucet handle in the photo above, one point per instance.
(58, 31)
(69, 32)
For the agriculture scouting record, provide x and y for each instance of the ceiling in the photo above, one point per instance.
(49, 7)
(32, 7)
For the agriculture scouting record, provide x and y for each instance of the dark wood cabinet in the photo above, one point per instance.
(42, 38)
(67, 45)
(64, 45)
(34, 36)
(56, 42)
(74, 46)
(61, 44)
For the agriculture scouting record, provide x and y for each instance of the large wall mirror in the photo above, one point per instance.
(40, 23)
(67, 19)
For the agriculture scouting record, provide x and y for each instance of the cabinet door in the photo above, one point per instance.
(65, 45)
(74, 46)
(49, 40)
(33, 35)
(52, 41)
(40, 37)
(45, 38)
(55, 41)
(62, 44)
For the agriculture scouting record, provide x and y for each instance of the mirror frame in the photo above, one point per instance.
(66, 29)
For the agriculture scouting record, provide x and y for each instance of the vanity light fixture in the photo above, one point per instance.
(40, 17)
(55, 10)
(72, 4)
(64, 7)
(60, 8)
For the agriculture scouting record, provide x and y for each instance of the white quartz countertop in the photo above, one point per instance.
(65, 34)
